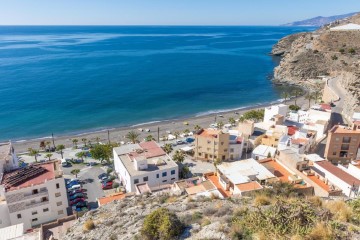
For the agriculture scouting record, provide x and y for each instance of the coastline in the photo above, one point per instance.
(117, 134)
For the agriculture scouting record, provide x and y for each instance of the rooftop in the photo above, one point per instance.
(215, 180)
(344, 176)
(238, 172)
(12, 232)
(28, 176)
(249, 186)
(344, 129)
(201, 187)
(5, 150)
(209, 133)
(113, 197)
(264, 150)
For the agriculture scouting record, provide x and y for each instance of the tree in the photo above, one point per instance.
(161, 224)
(176, 134)
(102, 152)
(254, 115)
(81, 155)
(42, 145)
(149, 138)
(168, 148)
(220, 125)
(216, 163)
(84, 141)
(309, 96)
(316, 95)
(48, 143)
(294, 108)
(75, 172)
(132, 136)
(232, 121)
(97, 139)
(164, 138)
(184, 171)
(186, 131)
(296, 93)
(197, 128)
(89, 143)
(285, 96)
(179, 156)
(33, 153)
(75, 141)
(60, 148)
(48, 155)
(342, 51)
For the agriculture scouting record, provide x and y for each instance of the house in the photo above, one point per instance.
(330, 173)
(271, 111)
(343, 143)
(302, 141)
(263, 151)
(17, 232)
(292, 159)
(298, 116)
(211, 144)
(142, 163)
(242, 177)
(272, 136)
(33, 195)
(236, 145)
(205, 189)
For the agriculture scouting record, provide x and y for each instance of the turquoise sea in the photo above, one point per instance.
(76, 79)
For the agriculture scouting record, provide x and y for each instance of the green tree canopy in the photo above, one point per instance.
(132, 136)
(168, 148)
(60, 148)
(254, 115)
(81, 155)
(179, 156)
(103, 152)
(75, 172)
(33, 153)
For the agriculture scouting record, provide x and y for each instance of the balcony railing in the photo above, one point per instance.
(21, 197)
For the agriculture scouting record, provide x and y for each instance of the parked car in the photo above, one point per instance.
(76, 200)
(80, 205)
(72, 183)
(104, 179)
(66, 164)
(74, 188)
(76, 191)
(190, 140)
(78, 195)
(81, 209)
(107, 185)
(102, 175)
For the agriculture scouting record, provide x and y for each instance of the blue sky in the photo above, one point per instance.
(168, 12)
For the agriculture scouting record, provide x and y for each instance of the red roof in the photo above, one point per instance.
(106, 200)
(292, 130)
(325, 106)
(338, 172)
(31, 175)
(152, 149)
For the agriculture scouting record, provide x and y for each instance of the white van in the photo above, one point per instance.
(75, 187)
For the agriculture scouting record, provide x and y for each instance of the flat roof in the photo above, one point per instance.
(212, 133)
(202, 187)
(314, 157)
(12, 232)
(113, 197)
(344, 129)
(346, 177)
(31, 175)
(238, 172)
(5, 150)
(250, 186)
(264, 150)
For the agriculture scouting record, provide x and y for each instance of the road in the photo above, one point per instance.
(334, 85)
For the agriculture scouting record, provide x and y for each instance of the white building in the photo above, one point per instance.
(332, 174)
(347, 27)
(352, 168)
(143, 163)
(236, 145)
(262, 152)
(271, 111)
(8, 158)
(299, 116)
(32, 195)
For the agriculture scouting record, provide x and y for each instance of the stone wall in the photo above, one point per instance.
(329, 95)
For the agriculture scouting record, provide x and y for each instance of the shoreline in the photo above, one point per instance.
(117, 134)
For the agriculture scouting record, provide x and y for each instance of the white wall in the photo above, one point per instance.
(270, 112)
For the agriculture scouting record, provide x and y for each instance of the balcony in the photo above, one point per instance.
(25, 196)
(37, 204)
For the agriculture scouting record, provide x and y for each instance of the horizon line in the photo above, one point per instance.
(143, 25)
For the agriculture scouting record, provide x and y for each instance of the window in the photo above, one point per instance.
(146, 179)
(60, 212)
(334, 153)
(34, 219)
(223, 157)
(35, 191)
(199, 154)
(157, 175)
(345, 147)
(57, 194)
(19, 216)
(172, 179)
(231, 150)
(136, 181)
(45, 210)
(222, 143)
(225, 150)
(172, 172)
(164, 174)
(44, 199)
(34, 213)
(58, 203)
(164, 181)
(346, 139)
(57, 185)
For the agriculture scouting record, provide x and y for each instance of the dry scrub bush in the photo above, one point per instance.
(341, 211)
(88, 225)
(261, 200)
(316, 201)
(320, 232)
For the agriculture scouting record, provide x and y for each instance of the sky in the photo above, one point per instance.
(168, 12)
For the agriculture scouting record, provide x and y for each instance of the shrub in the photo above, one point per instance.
(191, 205)
(223, 211)
(294, 107)
(89, 225)
(196, 216)
(205, 222)
(334, 57)
(115, 185)
(209, 211)
(261, 200)
(161, 224)
(342, 212)
(320, 232)
(171, 199)
(342, 51)
(352, 51)
(109, 170)
(316, 201)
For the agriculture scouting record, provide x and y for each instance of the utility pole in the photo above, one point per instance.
(53, 141)
(108, 136)
(158, 135)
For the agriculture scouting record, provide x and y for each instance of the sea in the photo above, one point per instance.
(75, 79)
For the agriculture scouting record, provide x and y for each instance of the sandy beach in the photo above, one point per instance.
(118, 134)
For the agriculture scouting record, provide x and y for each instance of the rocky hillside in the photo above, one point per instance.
(269, 215)
(322, 52)
(319, 21)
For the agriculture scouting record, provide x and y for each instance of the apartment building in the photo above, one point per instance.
(144, 164)
(32, 195)
(343, 143)
(211, 144)
(270, 112)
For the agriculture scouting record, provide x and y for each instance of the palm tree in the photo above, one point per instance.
(220, 125)
(216, 163)
(42, 145)
(60, 148)
(232, 121)
(168, 148)
(81, 155)
(149, 138)
(48, 143)
(48, 155)
(285, 96)
(179, 156)
(84, 141)
(197, 128)
(296, 93)
(309, 96)
(75, 172)
(186, 131)
(75, 141)
(33, 153)
(132, 136)
(176, 134)
(97, 139)
(184, 171)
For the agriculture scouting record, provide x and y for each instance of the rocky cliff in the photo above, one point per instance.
(309, 55)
